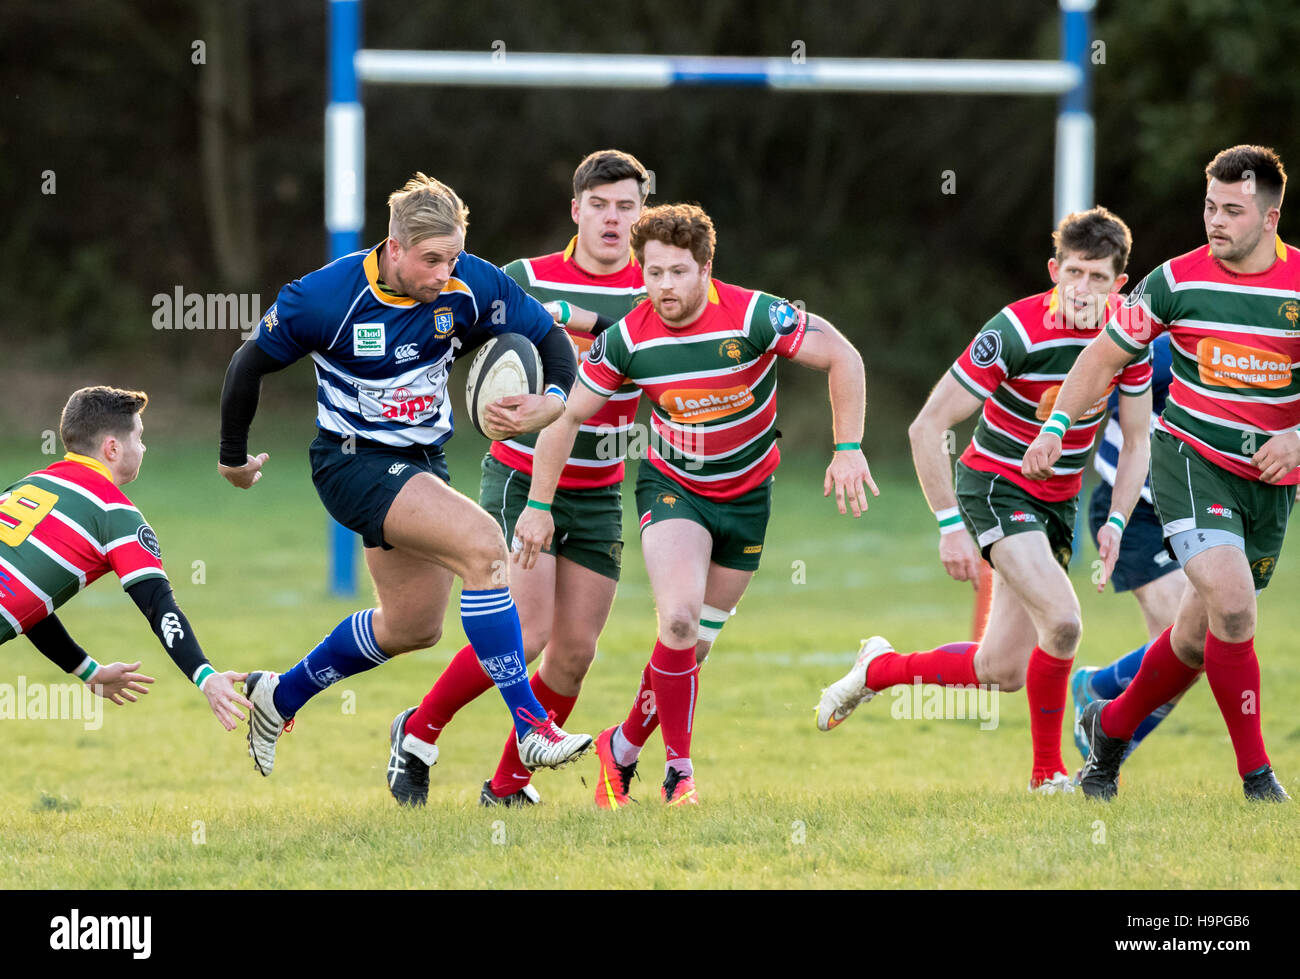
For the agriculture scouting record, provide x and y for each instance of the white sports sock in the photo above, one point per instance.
(624, 751)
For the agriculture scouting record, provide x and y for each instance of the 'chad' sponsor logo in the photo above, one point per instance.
(703, 405)
(1047, 404)
(1236, 366)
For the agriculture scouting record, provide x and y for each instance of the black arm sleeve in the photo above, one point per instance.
(239, 396)
(558, 364)
(603, 323)
(53, 642)
(154, 598)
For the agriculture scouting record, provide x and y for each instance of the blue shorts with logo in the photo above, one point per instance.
(358, 482)
(1142, 554)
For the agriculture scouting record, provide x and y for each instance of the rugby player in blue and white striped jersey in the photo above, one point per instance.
(382, 327)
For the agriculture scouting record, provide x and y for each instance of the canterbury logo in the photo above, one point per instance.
(407, 351)
(171, 628)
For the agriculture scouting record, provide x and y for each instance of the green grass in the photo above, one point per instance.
(161, 797)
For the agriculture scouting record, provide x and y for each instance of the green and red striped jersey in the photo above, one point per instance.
(1017, 363)
(61, 528)
(598, 451)
(711, 385)
(1235, 341)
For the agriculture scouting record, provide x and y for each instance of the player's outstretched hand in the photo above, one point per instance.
(222, 696)
(1108, 539)
(960, 557)
(521, 413)
(847, 473)
(119, 682)
(1278, 456)
(533, 532)
(246, 475)
(1042, 452)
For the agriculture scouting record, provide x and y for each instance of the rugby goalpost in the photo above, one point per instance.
(350, 65)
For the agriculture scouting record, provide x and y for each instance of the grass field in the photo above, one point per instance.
(159, 796)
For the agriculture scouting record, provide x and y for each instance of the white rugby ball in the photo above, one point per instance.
(504, 366)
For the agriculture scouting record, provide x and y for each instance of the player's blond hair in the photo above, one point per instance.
(424, 208)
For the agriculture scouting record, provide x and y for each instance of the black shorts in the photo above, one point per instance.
(358, 481)
(1142, 554)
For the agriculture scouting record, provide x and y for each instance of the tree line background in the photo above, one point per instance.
(208, 176)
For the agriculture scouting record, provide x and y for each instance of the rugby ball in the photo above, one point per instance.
(506, 365)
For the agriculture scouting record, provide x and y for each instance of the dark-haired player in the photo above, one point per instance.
(1223, 458)
(565, 598)
(1023, 527)
(65, 526)
(382, 327)
(704, 352)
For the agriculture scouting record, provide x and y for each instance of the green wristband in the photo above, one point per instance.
(848, 446)
(202, 674)
(566, 311)
(1058, 424)
(538, 505)
(1116, 520)
(85, 675)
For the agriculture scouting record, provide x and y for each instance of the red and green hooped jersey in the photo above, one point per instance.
(1017, 363)
(711, 385)
(1235, 341)
(61, 528)
(598, 451)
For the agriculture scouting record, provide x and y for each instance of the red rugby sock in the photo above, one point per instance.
(674, 676)
(642, 719)
(462, 681)
(511, 775)
(1161, 677)
(952, 665)
(1047, 682)
(1233, 672)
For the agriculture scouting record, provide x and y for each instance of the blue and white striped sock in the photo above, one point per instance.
(492, 624)
(348, 650)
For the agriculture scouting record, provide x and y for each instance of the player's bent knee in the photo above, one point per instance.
(1190, 650)
(574, 659)
(681, 630)
(534, 643)
(487, 565)
(569, 674)
(1238, 624)
(1065, 634)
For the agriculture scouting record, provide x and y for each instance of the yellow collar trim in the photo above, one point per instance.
(571, 248)
(371, 267)
(89, 463)
(1280, 248)
(713, 293)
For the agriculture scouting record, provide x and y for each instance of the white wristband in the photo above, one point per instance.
(949, 521)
